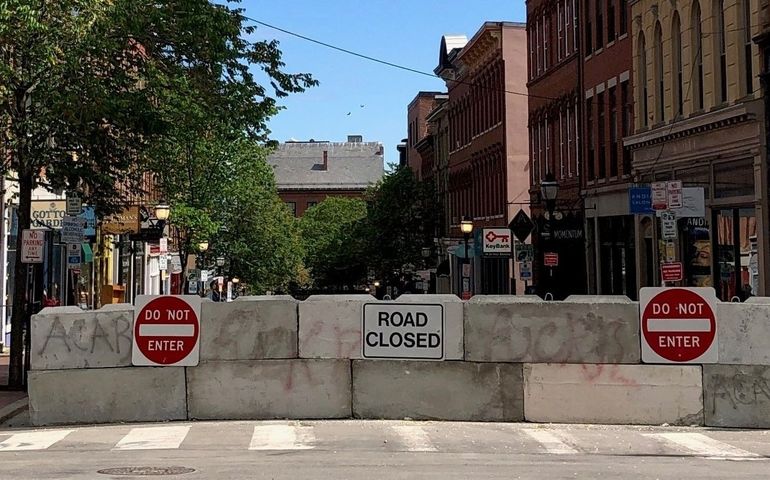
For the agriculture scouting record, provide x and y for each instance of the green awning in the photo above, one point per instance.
(88, 254)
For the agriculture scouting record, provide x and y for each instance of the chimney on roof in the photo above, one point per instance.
(355, 138)
(325, 166)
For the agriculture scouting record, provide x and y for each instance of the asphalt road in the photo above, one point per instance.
(367, 450)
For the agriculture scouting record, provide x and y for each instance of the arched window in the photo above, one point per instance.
(697, 55)
(660, 101)
(676, 70)
(747, 56)
(721, 50)
(641, 80)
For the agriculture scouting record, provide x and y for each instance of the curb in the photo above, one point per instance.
(13, 409)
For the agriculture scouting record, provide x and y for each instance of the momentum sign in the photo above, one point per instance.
(403, 330)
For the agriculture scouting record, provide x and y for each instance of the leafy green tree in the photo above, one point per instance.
(90, 88)
(401, 221)
(332, 235)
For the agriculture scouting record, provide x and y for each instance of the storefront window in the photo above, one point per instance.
(697, 260)
(696, 177)
(736, 231)
(734, 179)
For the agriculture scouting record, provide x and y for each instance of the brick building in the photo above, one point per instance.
(417, 114)
(306, 173)
(487, 140)
(607, 117)
(555, 129)
(700, 118)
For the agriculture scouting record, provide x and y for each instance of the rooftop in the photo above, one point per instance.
(345, 165)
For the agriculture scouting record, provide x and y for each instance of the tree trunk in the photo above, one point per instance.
(20, 313)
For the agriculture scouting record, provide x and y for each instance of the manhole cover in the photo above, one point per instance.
(146, 471)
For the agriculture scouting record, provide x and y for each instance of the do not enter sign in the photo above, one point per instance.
(679, 325)
(166, 331)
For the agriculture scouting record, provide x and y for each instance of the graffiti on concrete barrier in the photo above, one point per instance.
(741, 389)
(86, 335)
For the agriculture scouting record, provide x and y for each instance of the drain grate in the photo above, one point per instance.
(146, 471)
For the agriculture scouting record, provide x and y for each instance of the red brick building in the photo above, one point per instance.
(488, 158)
(306, 173)
(554, 142)
(607, 118)
(417, 114)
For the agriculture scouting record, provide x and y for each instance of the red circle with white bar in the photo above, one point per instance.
(166, 330)
(679, 325)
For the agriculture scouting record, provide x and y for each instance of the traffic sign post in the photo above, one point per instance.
(521, 226)
(671, 272)
(73, 256)
(32, 246)
(496, 242)
(166, 331)
(551, 259)
(679, 325)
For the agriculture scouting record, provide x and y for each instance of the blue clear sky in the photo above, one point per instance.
(406, 32)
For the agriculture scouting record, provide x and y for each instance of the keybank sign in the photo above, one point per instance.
(403, 330)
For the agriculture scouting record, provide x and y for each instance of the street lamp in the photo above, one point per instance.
(466, 226)
(162, 210)
(549, 189)
(203, 246)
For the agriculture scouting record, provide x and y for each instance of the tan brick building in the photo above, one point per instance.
(699, 118)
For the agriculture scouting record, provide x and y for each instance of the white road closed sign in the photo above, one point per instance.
(403, 330)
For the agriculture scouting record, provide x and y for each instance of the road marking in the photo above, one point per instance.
(282, 437)
(415, 438)
(702, 445)
(33, 440)
(153, 438)
(550, 442)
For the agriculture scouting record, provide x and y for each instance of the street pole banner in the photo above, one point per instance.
(679, 325)
(166, 331)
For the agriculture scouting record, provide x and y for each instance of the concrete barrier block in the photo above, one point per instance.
(249, 330)
(330, 326)
(598, 299)
(437, 390)
(81, 339)
(107, 395)
(758, 300)
(501, 330)
(737, 395)
(453, 321)
(613, 394)
(264, 389)
(744, 330)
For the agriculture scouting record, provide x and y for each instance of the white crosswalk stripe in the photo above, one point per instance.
(702, 445)
(550, 441)
(282, 437)
(153, 438)
(415, 438)
(33, 440)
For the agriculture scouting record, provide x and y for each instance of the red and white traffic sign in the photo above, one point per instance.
(671, 272)
(166, 331)
(551, 259)
(679, 325)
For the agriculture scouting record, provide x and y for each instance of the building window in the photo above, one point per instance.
(613, 132)
(641, 80)
(589, 30)
(602, 141)
(568, 125)
(590, 138)
(540, 160)
(747, 56)
(548, 166)
(546, 35)
(697, 49)
(610, 20)
(676, 53)
(577, 139)
(599, 24)
(626, 126)
(623, 5)
(567, 26)
(660, 103)
(292, 208)
(532, 154)
(562, 166)
(538, 52)
(720, 38)
(574, 27)
(531, 34)
(311, 204)
(560, 27)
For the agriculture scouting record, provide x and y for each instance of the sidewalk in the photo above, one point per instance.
(10, 402)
